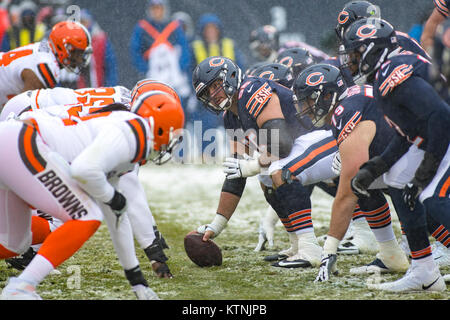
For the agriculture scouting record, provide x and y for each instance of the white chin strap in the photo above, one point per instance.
(224, 103)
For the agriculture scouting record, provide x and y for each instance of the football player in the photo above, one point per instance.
(256, 106)
(76, 182)
(315, 102)
(38, 65)
(356, 10)
(361, 239)
(65, 103)
(296, 58)
(265, 45)
(421, 118)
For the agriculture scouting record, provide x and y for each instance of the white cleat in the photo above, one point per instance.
(308, 255)
(286, 253)
(145, 293)
(441, 254)
(362, 238)
(417, 278)
(17, 289)
(390, 259)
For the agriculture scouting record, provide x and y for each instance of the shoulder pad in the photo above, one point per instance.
(254, 95)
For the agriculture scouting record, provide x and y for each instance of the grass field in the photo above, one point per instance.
(184, 197)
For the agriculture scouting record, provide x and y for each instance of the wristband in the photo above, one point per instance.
(331, 245)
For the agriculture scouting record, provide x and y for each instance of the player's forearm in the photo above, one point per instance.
(228, 203)
(341, 214)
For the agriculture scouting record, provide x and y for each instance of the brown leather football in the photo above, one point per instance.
(202, 253)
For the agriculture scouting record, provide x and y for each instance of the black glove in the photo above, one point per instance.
(424, 174)
(367, 174)
(410, 194)
(118, 205)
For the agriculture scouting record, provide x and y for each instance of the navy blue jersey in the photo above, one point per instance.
(359, 105)
(411, 105)
(255, 93)
(409, 44)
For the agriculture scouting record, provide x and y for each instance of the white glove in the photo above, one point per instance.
(336, 165)
(242, 168)
(267, 229)
(217, 225)
(327, 267)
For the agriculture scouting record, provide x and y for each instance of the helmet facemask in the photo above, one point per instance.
(218, 94)
(164, 152)
(313, 108)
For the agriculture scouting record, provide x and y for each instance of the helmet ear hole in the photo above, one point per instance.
(160, 131)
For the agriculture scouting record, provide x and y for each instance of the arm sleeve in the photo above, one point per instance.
(427, 106)
(91, 167)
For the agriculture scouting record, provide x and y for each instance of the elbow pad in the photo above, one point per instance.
(234, 186)
(279, 139)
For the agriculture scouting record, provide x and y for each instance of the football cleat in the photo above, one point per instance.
(362, 237)
(347, 247)
(390, 259)
(22, 261)
(376, 266)
(18, 289)
(296, 261)
(441, 254)
(145, 293)
(417, 278)
(292, 250)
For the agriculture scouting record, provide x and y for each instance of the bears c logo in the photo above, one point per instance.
(311, 82)
(366, 31)
(267, 74)
(216, 62)
(343, 17)
(287, 61)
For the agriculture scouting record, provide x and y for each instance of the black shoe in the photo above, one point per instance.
(22, 261)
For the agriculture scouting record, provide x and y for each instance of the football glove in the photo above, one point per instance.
(118, 205)
(367, 174)
(242, 168)
(327, 267)
(423, 176)
(410, 194)
(336, 165)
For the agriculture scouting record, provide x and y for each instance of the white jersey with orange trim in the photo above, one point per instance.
(90, 98)
(36, 57)
(99, 147)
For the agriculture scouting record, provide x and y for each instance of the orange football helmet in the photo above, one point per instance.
(151, 85)
(70, 42)
(165, 116)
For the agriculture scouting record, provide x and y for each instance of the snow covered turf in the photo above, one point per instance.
(182, 197)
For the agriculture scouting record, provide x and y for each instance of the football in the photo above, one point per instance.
(202, 253)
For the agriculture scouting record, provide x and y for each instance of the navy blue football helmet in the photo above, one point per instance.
(222, 73)
(317, 90)
(277, 72)
(353, 11)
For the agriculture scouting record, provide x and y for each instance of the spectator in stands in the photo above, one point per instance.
(102, 70)
(159, 49)
(26, 31)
